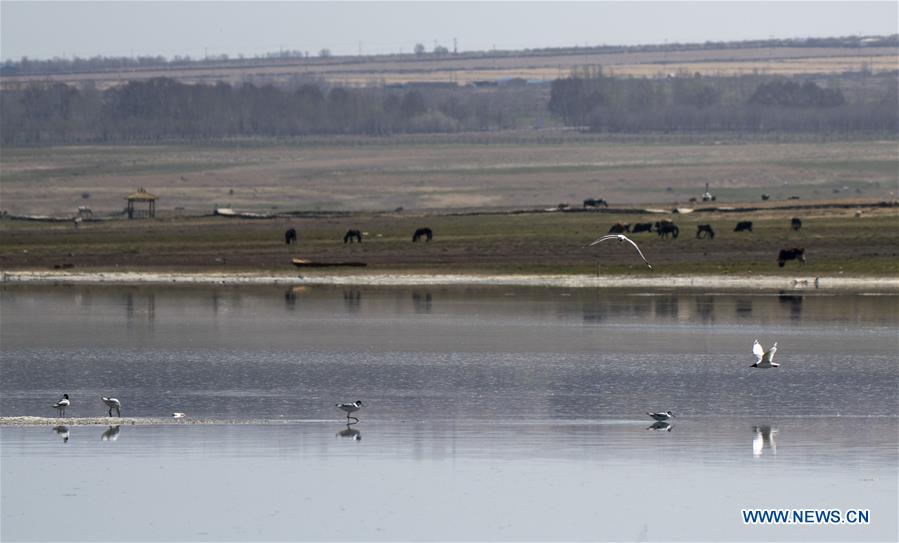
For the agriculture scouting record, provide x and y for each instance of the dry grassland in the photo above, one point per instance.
(472, 171)
(466, 69)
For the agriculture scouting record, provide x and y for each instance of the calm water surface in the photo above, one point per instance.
(492, 413)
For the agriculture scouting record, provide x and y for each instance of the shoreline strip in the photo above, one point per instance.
(722, 282)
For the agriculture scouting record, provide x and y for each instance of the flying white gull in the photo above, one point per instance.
(763, 358)
(350, 408)
(113, 403)
(620, 238)
(661, 416)
(61, 405)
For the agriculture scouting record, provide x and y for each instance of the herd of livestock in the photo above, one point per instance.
(663, 228)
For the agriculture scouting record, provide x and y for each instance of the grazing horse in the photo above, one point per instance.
(641, 227)
(743, 226)
(620, 228)
(766, 196)
(352, 234)
(790, 254)
(426, 232)
(595, 202)
(795, 223)
(663, 228)
(290, 236)
(704, 231)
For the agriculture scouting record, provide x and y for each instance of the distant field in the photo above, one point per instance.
(465, 171)
(465, 69)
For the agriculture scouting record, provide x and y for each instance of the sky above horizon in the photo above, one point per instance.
(48, 29)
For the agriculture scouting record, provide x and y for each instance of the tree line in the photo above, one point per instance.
(685, 103)
(164, 108)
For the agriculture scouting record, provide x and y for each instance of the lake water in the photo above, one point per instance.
(491, 413)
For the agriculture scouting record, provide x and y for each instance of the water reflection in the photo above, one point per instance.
(705, 309)
(421, 302)
(111, 433)
(744, 308)
(63, 432)
(352, 299)
(350, 432)
(661, 425)
(763, 437)
(794, 302)
(140, 308)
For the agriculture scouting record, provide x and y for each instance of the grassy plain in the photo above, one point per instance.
(836, 242)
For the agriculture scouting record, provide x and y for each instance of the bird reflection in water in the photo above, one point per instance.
(350, 432)
(63, 432)
(111, 433)
(660, 425)
(763, 436)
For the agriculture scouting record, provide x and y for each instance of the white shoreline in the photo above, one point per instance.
(723, 282)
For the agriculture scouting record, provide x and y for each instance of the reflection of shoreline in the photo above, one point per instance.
(887, 284)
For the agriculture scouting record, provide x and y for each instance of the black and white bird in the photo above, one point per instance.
(349, 408)
(177, 415)
(621, 238)
(763, 358)
(661, 416)
(113, 403)
(61, 405)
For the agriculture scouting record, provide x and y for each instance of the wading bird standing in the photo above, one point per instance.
(113, 403)
(61, 405)
(764, 358)
(621, 238)
(350, 408)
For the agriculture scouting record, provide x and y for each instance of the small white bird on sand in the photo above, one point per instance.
(113, 403)
(621, 238)
(763, 358)
(61, 405)
(350, 408)
(177, 415)
(661, 416)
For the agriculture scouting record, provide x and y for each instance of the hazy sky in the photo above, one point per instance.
(39, 29)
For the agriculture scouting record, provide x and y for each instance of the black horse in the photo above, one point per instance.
(795, 223)
(641, 227)
(663, 228)
(595, 202)
(351, 235)
(790, 254)
(290, 236)
(743, 226)
(704, 231)
(426, 232)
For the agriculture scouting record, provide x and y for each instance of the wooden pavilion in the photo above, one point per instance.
(142, 196)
